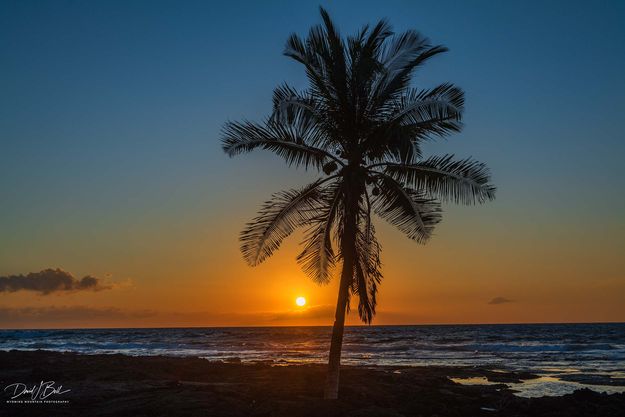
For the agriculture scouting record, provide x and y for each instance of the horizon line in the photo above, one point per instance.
(329, 326)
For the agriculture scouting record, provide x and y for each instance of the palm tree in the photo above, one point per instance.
(361, 125)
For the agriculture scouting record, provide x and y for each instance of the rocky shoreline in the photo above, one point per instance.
(118, 385)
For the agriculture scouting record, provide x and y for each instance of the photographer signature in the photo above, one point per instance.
(37, 392)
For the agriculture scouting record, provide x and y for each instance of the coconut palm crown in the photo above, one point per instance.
(361, 125)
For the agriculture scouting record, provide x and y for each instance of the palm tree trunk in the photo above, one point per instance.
(334, 362)
(348, 247)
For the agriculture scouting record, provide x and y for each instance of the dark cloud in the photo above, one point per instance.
(500, 300)
(49, 281)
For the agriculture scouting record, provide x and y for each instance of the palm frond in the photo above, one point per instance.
(402, 49)
(306, 111)
(277, 219)
(301, 52)
(289, 141)
(463, 181)
(407, 209)
(438, 110)
(364, 51)
(416, 116)
(403, 55)
(393, 142)
(376, 37)
(318, 257)
(367, 274)
(288, 103)
(335, 60)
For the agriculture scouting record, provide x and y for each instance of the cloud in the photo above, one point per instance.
(500, 300)
(50, 280)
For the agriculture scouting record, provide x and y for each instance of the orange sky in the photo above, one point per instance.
(190, 273)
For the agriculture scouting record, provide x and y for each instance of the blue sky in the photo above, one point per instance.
(130, 90)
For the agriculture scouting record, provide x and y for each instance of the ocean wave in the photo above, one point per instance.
(505, 347)
(529, 347)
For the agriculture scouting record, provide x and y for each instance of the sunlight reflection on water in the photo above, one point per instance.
(541, 386)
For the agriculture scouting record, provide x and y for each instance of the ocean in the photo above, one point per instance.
(565, 356)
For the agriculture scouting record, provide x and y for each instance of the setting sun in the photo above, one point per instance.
(300, 301)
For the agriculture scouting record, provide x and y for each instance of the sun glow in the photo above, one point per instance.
(300, 301)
